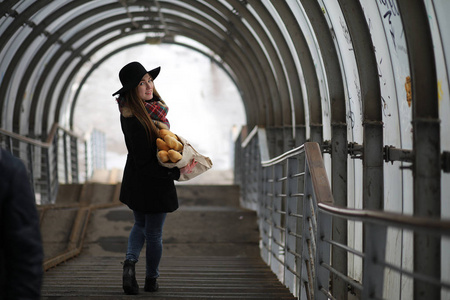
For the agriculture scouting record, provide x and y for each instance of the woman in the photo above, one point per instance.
(147, 188)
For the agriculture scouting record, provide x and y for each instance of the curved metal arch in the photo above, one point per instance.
(365, 58)
(339, 154)
(308, 68)
(235, 65)
(79, 65)
(363, 47)
(257, 60)
(335, 83)
(142, 43)
(426, 140)
(281, 87)
(233, 22)
(373, 163)
(50, 64)
(260, 106)
(85, 58)
(291, 73)
(52, 39)
(245, 48)
(43, 49)
(19, 21)
(36, 31)
(36, 93)
(238, 27)
(255, 56)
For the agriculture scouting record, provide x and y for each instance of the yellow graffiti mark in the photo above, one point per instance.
(408, 90)
(440, 91)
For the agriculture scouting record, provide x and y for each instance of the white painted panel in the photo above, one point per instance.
(287, 37)
(438, 17)
(390, 96)
(397, 183)
(314, 49)
(343, 42)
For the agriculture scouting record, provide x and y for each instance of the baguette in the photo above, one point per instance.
(162, 145)
(163, 156)
(173, 143)
(174, 156)
(164, 132)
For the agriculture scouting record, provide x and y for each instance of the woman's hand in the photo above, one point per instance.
(188, 168)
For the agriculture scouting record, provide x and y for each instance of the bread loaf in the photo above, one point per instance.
(162, 145)
(174, 156)
(173, 143)
(163, 156)
(164, 132)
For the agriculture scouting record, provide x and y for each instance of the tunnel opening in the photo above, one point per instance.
(205, 106)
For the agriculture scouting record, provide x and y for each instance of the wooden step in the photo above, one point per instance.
(180, 278)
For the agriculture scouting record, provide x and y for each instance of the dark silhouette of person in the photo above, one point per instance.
(21, 252)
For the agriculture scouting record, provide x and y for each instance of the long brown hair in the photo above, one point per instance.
(138, 109)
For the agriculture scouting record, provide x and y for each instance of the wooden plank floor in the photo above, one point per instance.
(210, 251)
(181, 278)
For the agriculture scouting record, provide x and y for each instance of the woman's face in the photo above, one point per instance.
(145, 88)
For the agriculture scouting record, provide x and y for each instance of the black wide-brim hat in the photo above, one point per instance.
(131, 74)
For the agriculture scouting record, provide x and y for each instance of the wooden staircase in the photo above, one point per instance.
(211, 251)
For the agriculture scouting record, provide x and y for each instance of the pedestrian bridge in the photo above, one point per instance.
(341, 170)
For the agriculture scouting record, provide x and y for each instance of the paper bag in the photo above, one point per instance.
(189, 153)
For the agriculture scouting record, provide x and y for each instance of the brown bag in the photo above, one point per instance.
(202, 165)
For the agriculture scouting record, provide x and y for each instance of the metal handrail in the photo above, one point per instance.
(56, 160)
(431, 226)
(296, 212)
(325, 198)
(24, 139)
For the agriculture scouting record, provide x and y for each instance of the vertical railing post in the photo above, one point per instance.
(255, 171)
(277, 234)
(48, 174)
(86, 160)
(299, 230)
(74, 159)
(30, 164)
(9, 143)
(263, 213)
(339, 176)
(291, 237)
(374, 252)
(269, 208)
(324, 232)
(308, 277)
(65, 154)
(53, 168)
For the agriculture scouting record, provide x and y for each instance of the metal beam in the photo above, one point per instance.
(339, 155)
(426, 141)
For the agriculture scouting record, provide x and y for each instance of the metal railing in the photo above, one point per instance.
(295, 211)
(63, 158)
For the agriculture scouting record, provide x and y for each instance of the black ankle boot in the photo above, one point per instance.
(130, 285)
(151, 285)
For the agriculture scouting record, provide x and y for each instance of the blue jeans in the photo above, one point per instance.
(147, 227)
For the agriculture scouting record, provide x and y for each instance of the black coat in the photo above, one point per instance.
(21, 251)
(147, 187)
